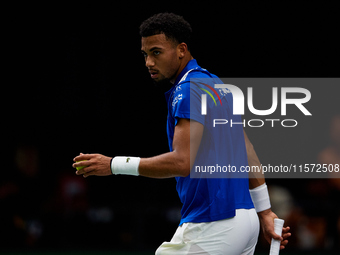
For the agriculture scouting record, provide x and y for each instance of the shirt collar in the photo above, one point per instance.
(191, 64)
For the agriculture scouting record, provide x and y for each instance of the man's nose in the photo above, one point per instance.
(149, 62)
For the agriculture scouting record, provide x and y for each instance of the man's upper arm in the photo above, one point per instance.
(187, 138)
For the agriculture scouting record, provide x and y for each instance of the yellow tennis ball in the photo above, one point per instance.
(80, 167)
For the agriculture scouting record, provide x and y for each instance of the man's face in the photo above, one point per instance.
(161, 57)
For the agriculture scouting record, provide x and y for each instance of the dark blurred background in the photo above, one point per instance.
(75, 81)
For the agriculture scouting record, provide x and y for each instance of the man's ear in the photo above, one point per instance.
(182, 49)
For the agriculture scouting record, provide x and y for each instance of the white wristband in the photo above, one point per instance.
(125, 165)
(260, 198)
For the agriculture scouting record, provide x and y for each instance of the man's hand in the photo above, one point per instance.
(267, 224)
(94, 164)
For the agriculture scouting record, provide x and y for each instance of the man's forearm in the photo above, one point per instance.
(176, 163)
(257, 185)
(256, 178)
(166, 165)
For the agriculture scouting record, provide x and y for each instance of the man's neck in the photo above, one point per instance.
(184, 63)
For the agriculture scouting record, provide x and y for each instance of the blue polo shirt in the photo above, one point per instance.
(208, 199)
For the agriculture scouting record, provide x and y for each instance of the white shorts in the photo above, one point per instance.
(233, 236)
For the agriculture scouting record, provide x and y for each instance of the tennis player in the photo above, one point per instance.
(219, 215)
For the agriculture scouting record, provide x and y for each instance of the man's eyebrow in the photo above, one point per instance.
(152, 49)
(155, 48)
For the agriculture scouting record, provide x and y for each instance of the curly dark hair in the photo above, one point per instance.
(173, 26)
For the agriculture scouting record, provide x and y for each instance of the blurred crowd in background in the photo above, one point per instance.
(78, 83)
(65, 211)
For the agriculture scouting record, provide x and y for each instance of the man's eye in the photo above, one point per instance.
(144, 54)
(156, 53)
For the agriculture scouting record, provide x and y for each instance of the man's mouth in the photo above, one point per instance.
(153, 73)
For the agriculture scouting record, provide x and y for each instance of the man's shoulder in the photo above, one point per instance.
(194, 79)
(190, 83)
(196, 74)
